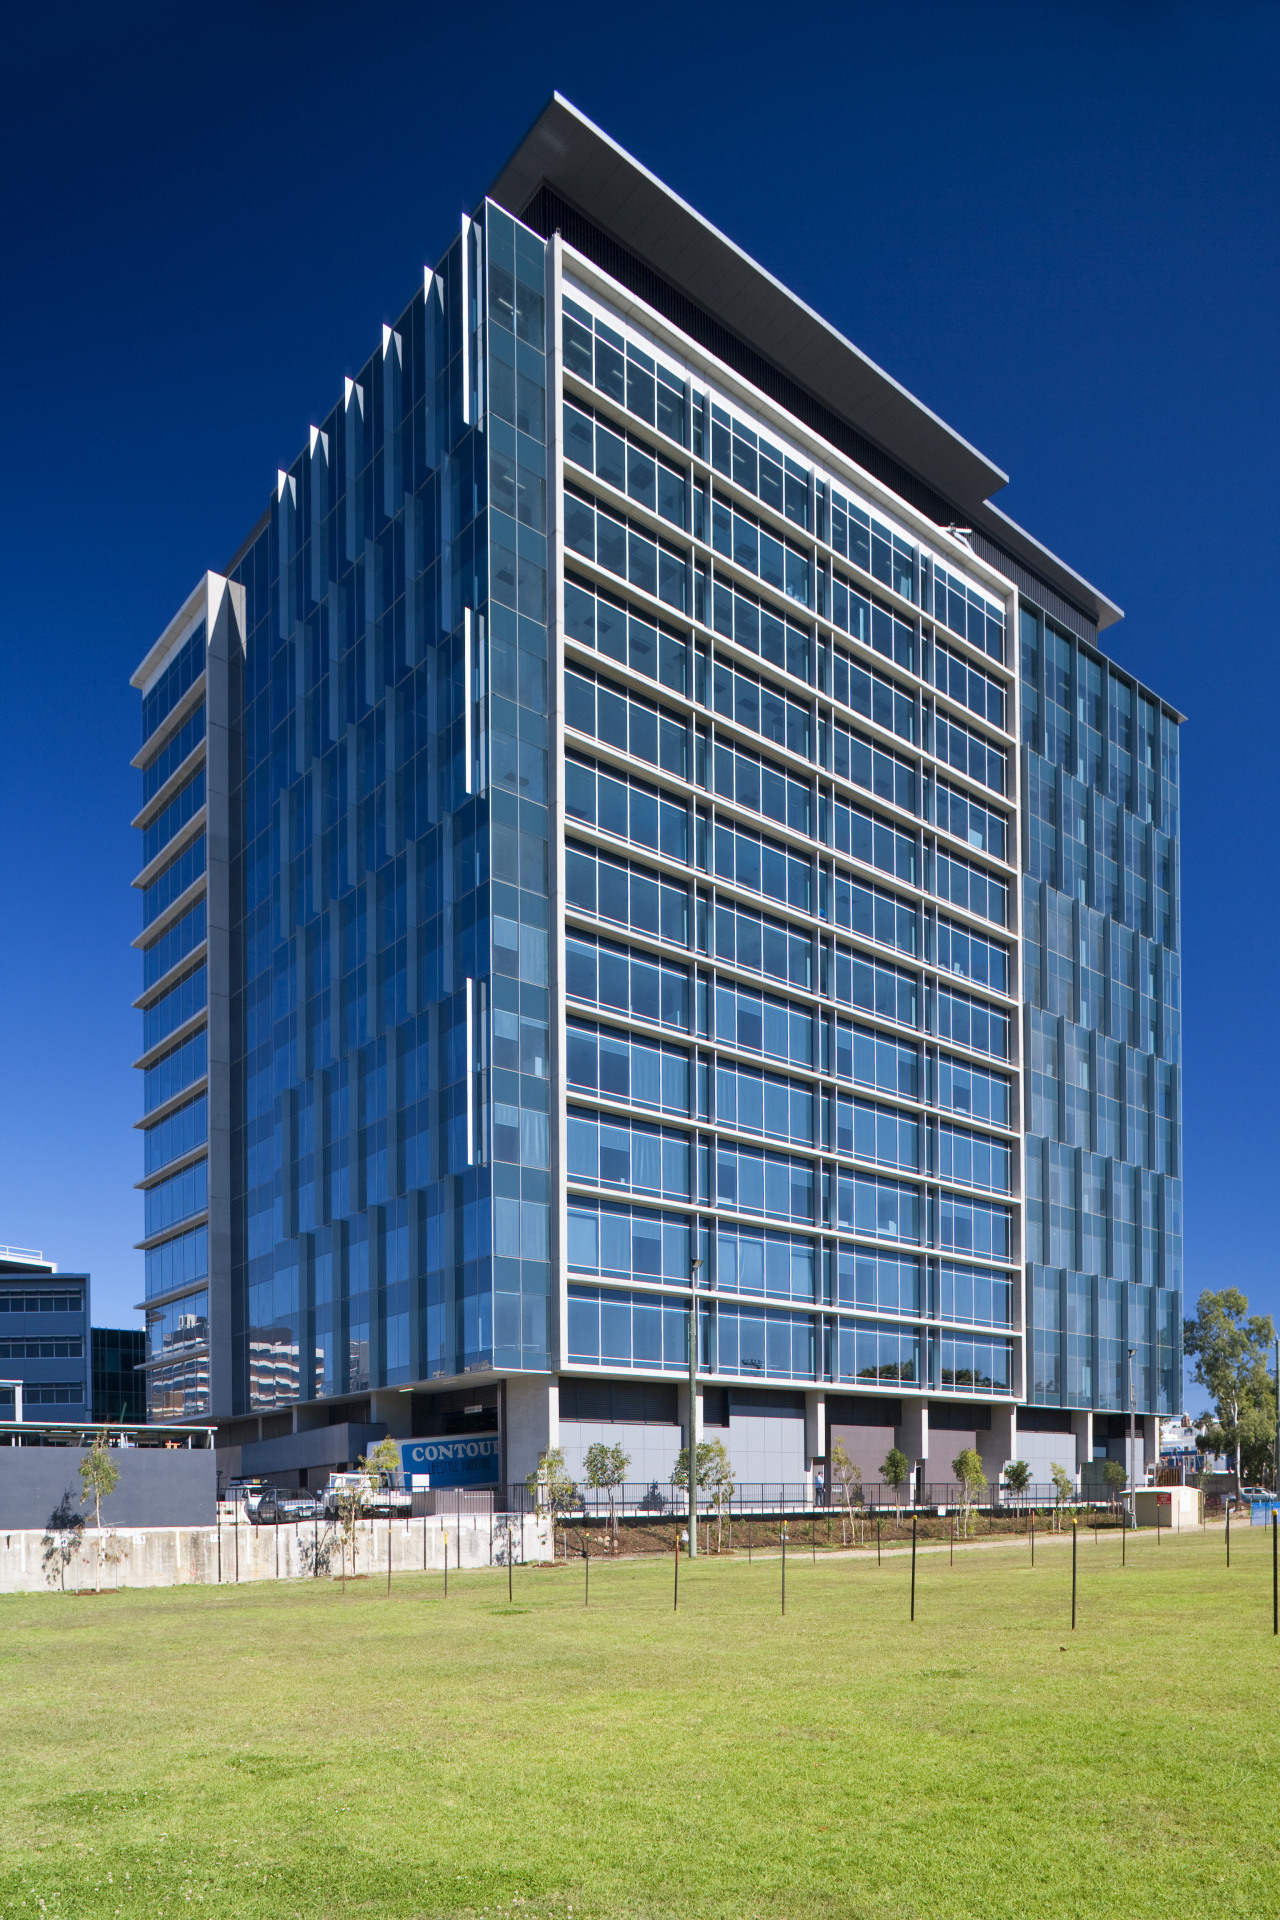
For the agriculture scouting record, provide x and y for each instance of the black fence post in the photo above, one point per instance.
(783, 1532)
(1031, 1529)
(586, 1566)
(913, 1566)
(510, 1557)
(1074, 1532)
(675, 1604)
(1228, 1530)
(1275, 1573)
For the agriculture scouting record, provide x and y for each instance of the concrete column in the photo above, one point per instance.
(913, 1435)
(1082, 1427)
(815, 1426)
(682, 1412)
(1149, 1440)
(533, 1421)
(1000, 1444)
(395, 1411)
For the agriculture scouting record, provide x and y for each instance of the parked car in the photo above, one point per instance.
(269, 1506)
(378, 1498)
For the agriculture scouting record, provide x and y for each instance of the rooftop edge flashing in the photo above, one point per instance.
(183, 617)
(1040, 559)
(566, 151)
(608, 184)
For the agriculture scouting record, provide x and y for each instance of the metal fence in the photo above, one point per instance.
(660, 1500)
(656, 1500)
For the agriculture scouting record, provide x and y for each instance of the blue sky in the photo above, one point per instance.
(1056, 225)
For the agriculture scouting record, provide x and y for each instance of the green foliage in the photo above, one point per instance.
(553, 1488)
(1063, 1488)
(1114, 1477)
(1017, 1475)
(99, 1476)
(967, 1468)
(350, 1502)
(896, 1469)
(715, 1476)
(382, 1463)
(846, 1475)
(606, 1466)
(1231, 1349)
(551, 1483)
(713, 1467)
(848, 1478)
(61, 1540)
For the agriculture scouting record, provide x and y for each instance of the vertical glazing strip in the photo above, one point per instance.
(555, 689)
(481, 237)
(470, 1073)
(466, 698)
(465, 266)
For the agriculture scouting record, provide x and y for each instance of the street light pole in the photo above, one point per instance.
(695, 1266)
(1133, 1450)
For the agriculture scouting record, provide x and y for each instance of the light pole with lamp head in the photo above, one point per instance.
(695, 1267)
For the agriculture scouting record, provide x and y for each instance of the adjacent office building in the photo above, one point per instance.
(118, 1359)
(633, 809)
(44, 1339)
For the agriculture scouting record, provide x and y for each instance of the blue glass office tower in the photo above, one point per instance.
(584, 833)
(1103, 1040)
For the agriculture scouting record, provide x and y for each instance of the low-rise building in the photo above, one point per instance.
(44, 1338)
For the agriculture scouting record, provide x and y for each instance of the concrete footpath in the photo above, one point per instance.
(234, 1551)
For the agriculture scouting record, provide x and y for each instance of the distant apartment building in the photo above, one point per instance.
(632, 819)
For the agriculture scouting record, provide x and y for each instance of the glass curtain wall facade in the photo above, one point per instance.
(388, 1014)
(586, 831)
(790, 898)
(174, 762)
(1104, 1039)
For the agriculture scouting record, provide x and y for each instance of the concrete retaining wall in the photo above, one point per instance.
(234, 1551)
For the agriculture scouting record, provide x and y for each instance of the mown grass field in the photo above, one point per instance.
(297, 1751)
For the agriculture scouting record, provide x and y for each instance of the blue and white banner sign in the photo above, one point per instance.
(466, 1462)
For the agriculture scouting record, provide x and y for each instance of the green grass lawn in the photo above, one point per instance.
(294, 1750)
